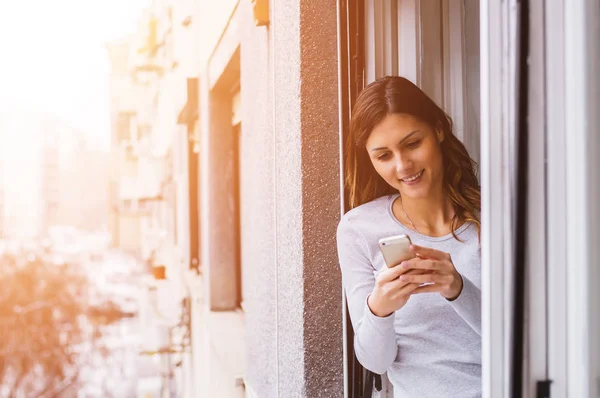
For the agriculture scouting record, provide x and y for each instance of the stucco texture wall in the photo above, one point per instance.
(290, 200)
(258, 206)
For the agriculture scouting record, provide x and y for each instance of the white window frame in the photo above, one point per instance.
(581, 22)
(499, 127)
(572, 193)
(497, 132)
(564, 124)
(535, 365)
(556, 198)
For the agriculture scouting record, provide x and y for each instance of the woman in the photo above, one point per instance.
(407, 173)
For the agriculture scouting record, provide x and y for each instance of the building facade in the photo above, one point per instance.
(236, 133)
(124, 215)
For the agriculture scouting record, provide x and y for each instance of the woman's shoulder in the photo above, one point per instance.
(369, 213)
(374, 207)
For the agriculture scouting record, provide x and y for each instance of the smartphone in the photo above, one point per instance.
(395, 249)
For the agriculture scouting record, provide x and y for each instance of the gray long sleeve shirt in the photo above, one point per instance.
(431, 347)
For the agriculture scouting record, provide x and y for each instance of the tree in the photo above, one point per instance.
(48, 326)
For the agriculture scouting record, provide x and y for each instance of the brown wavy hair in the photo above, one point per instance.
(395, 95)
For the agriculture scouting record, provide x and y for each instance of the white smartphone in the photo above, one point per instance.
(395, 249)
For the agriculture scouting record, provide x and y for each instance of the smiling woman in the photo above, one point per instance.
(406, 153)
(407, 173)
(403, 129)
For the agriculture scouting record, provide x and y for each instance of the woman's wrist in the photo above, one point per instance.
(373, 305)
(457, 288)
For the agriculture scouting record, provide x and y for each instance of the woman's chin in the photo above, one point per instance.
(414, 193)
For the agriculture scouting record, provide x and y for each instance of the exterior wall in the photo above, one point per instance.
(289, 185)
(146, 180)
(163, 172)
(123, 226)
(257, 151)
(213, 17)
(290, 191)
(129, 232)
(220, 355)
(307, 198)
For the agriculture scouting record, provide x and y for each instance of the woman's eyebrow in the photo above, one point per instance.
(403, 139)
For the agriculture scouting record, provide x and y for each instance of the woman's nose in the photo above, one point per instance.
(401, 164)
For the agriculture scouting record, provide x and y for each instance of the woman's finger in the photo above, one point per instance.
(391, 274)
(426, 278)
(395, 285)
(427, 289)
(406, 290)
(424, 264)
(398, 282)
(427, 252)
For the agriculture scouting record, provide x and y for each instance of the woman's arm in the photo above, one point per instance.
(374, 337)
(468, 304)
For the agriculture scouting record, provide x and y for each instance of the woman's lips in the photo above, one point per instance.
(414, 179)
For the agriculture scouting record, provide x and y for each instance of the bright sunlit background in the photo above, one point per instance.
(55, 129)
(54, 59)
(54, 79)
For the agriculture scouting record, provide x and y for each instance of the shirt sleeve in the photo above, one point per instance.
(468, 304)
(374, 337)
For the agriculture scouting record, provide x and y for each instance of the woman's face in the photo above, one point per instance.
(406, 153)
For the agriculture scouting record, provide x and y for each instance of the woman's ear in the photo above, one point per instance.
(440, 135)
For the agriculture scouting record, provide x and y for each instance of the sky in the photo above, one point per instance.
(53, 66)
(54, 60)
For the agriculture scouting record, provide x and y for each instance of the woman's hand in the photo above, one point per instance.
(390, 292)
(439, 273)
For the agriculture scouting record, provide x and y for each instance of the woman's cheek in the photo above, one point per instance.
(425, 156)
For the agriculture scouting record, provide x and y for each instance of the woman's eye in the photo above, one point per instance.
(413, 144)
(383, 156)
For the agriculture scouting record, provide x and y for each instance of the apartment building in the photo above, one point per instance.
(246, 107)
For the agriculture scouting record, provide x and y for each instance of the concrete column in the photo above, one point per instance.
(307, 187)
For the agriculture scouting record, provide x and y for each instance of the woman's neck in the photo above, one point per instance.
(429, 216)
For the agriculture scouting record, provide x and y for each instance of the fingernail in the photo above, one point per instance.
(403, 277)
(404, 264)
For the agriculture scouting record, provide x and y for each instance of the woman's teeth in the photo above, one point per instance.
(411, 179)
